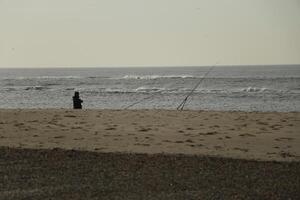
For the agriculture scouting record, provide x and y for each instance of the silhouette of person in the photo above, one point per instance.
(77, 101)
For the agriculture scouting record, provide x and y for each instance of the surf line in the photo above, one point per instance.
(137, 102)
(141, 100)
(182, 104)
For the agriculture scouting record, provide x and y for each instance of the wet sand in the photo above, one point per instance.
(258, 136)
(70, 174)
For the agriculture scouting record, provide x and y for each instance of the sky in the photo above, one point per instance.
(115, 33)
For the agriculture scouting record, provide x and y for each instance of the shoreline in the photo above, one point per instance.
(141, 109)
(245, 135)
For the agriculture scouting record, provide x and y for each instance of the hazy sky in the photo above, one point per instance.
(78, 33)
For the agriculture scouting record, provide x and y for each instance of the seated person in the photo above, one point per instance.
(77, 101)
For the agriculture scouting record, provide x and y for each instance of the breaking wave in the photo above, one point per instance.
(148, 77)
(36, 88)
(254, 89)
(163, 90)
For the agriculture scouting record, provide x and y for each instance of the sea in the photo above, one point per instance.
(224, 88)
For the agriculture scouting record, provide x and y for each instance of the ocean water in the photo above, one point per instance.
(244, 88)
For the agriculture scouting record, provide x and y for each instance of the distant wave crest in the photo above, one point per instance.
(254, 89)
(36, 88)
(147, 77)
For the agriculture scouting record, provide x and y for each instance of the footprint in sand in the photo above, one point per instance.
(262, 123)
(263, 129)
(276, 127)
(246, 135)
(144, 129)
(72, 116)
(284, 138)
(19, 124)
(78, 138)
(99, 148)
(195, 145)
(76, 127)
(59, 137)
(189, 141)
(286, 154)
(141, 144)
(32, 121)
(209, 133)
(241, 149)
(218, 147)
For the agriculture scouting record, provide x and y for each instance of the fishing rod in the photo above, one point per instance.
(129, 106)
(182, 104)
(137, 102)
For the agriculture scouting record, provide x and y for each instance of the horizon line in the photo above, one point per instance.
(154, 66)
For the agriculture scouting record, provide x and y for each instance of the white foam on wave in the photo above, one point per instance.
(36, 88)
(147, 77)
(171, 90)
(40, 77)
(148, 89)
(254, 89)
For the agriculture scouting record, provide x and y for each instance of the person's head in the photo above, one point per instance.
(76, 94)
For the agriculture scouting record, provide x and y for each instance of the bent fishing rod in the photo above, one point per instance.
(141, 100)
(182, 104)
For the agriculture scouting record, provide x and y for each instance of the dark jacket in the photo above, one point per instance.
(77, 101)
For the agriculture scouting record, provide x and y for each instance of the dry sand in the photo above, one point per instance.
(259, 136)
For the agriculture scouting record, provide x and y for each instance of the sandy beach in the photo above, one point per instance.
(148, 154)
(258, 136)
